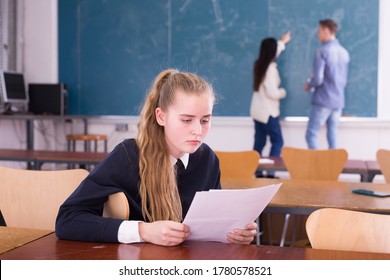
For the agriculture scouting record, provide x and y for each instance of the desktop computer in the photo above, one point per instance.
(49, 99)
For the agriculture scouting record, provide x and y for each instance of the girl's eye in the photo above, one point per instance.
(186, 120)
(205, 121)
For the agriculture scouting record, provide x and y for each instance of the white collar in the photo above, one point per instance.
(184, 159)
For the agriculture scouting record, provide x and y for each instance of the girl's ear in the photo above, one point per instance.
(160, 116)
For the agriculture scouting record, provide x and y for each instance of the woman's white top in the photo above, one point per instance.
(265, 101)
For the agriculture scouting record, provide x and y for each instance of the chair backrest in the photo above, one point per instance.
(87, 139)
(238, 165)
(338, 229)
(31, 198)
(117, 206)
(307, 164)
(383, 158)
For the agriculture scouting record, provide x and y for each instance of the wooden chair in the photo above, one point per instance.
(31, 198)
(338, 229)
(117, 206)
(238, 165)
(383, 159)
(305, 164)
(87, 139)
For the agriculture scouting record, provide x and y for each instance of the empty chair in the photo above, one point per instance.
(238, 165)
(338, 229)
(117, 207)
(383, 158)
(32, 198)
(88, 139)
(305, 164)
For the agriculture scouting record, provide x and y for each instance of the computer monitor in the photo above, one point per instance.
(13, 88)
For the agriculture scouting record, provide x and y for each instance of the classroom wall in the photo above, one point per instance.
(39, 61)
(361, 137)
(126, 43)
(40, 56)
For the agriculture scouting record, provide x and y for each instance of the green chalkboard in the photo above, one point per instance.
(110, 50)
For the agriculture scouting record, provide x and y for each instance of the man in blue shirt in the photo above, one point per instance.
(328, 81)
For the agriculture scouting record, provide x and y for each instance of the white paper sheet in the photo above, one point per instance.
(214, 213)
(266, 161)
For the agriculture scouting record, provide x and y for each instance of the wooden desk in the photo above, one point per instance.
(37, 157)
(50, 248)
(18, 155)
(11, 237)
(68, 157)
(351, 167)
(304, 197)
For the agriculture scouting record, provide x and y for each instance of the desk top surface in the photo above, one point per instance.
(312, 195)
(373, 165)
(49, 248)
(40, 154)
(11, 237)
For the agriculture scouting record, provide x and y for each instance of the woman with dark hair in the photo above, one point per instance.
(266, 95)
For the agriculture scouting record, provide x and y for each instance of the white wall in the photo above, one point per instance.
(361, 137)
(40, 42)
(37, 44)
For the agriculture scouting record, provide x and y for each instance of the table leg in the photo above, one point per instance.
(85, 121)
(30, 139)
(364, 177)
(370, 176)
(30, 134)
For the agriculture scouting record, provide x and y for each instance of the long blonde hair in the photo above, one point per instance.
(158, 186)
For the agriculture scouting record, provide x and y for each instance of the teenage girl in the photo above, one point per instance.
(174, 121)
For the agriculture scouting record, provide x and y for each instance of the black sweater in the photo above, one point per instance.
(80, 217)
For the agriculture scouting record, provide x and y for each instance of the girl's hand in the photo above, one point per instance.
(286, 37)
(243, 236)
(167, 233)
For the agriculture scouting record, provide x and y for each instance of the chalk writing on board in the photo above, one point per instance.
(111, 49)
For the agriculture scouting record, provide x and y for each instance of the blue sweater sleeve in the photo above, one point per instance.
(318, 69)
(80, 216)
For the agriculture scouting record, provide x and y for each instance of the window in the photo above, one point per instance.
(9, 34)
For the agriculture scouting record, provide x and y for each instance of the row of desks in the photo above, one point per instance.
(366, 169)
(304, 197)
(299, 197)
